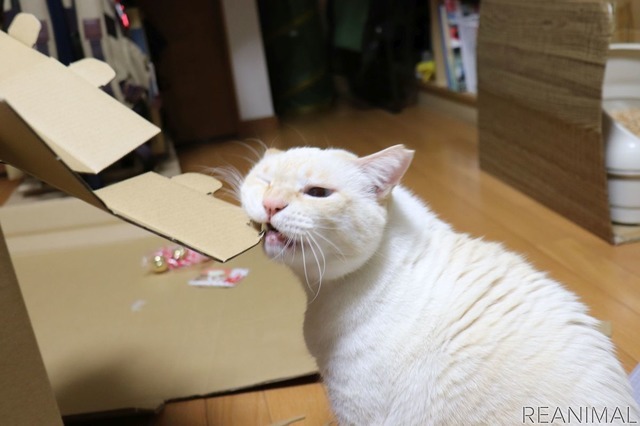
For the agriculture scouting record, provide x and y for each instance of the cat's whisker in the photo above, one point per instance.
(247, 159)
(273, 141)
(320, 271)
(304, 264)
(317, 225)
(324, 260)
(293, 253)
(231, 176)
(315, 255)
(299, 133)
(338, 250)
(284, 249)
(259, 153)
(231, 193)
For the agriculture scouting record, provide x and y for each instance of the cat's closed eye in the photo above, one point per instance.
(264, 179)
(318, 192)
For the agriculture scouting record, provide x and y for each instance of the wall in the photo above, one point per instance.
(248, 61)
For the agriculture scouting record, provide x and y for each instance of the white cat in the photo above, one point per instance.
(412, 323)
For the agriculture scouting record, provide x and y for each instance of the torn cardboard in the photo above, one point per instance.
(57, 124)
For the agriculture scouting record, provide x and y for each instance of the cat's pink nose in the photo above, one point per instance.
(273, 206)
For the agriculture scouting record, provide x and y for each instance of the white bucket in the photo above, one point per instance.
(621, 93)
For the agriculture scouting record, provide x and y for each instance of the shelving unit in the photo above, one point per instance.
(438, 93)
(453, 38)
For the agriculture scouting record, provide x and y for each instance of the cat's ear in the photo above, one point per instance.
(386, 168)
(271, 151)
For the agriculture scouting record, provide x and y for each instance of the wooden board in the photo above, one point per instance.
(541, 69)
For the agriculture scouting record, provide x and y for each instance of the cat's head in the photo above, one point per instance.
(325, 210)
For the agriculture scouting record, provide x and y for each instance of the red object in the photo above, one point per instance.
(122, 15)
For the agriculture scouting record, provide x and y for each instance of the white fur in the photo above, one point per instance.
(412, 323)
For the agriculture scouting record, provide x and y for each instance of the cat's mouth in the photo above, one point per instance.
(265, 228)
(273, 232)
(274, 237)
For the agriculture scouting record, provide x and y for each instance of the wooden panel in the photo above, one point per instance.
(306, 402)
(240, 409)
(627, 21)
(541, 68)
(559, 165)
(194, 69)
(548, 55)
(185, 413)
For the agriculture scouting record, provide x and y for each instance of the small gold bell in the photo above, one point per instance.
(159, 264)
(178, 253)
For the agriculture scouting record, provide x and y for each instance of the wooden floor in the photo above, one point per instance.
(445, 173)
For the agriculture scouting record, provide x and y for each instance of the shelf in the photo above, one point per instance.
(465, 98)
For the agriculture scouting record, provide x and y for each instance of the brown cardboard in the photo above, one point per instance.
(25, 393)
(115, 336)
(79, 268)
(56, 123)
(541, 69)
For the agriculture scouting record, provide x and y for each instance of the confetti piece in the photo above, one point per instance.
(219, 277)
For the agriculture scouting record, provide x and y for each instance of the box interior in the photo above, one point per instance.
(114, 335)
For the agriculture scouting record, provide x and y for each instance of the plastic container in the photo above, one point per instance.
(621, 93)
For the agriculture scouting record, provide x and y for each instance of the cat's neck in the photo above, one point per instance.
(382, 288)
(410, 226)
(407, 235)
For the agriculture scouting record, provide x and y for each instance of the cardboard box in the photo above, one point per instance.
(56, 124)
(541, 71)
(114, 335)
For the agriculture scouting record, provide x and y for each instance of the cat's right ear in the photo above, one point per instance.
(386, 168)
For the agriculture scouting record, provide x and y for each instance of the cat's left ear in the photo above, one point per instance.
(386, 168)
(271, 151)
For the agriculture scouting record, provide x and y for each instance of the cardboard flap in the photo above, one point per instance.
(96, 72)
(14, 49)
(114, 335)
(22, 148)
(27, 398)
(25, 28)
(167, 207)
(199, 182)
(83, 125)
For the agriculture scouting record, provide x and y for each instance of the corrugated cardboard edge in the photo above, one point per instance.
(27, 398)
(182, 209)
(541, 69)
(32, 155)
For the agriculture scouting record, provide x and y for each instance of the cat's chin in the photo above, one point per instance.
(277, 244)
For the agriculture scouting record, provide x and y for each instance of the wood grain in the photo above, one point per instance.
(241, 409)
(540, 75)
(308, 403)
(185, 413)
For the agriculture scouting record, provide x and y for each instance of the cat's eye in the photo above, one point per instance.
(318, 192)
(263, 179)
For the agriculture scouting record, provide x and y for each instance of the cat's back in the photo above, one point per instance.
(508, 337)
(441, 328)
